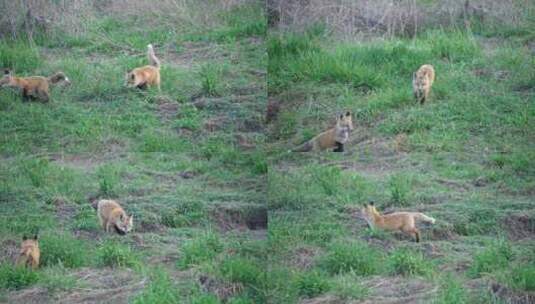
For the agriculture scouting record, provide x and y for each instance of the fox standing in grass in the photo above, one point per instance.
(402, 221)
(146, 76)
(33, 87)
(422, 80)
(333, 138)
(29, 252)
(113, 216)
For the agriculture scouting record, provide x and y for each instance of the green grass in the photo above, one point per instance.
(496, 256)
(112, 254)
(199, 250)
(465, 160)
(408, 262)
(311, 284)
(65, 250)
(354, 257)
(16, 277)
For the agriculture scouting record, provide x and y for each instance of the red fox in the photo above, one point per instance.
(403, 221)
(422, 80)
(29, 252)
(332, 138)
(113, 216)
(146, 76)
(33, 87)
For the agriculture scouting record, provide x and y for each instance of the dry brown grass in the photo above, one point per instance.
(402, 17)
(28, 17)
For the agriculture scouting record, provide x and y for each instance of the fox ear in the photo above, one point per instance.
(35, 237)
(348, 113)
(24, 237)
(7, 72)
(372, 203)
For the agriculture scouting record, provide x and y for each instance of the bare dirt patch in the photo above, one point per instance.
(9, 251)
(519, 226)
(168, 110)
(509, 295)
(222, 289)
(241, 217)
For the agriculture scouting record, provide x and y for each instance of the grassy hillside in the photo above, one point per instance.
(465, 158)
(187, 162)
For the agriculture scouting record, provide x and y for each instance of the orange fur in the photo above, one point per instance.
(29, 253)
(146, 76)
(402, 221)
(35, 87)
(422, 81)
(333, 138)
(113, 216)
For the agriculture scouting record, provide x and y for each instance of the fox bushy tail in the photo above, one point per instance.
(306, 147)
(425, 218)
(153, 60)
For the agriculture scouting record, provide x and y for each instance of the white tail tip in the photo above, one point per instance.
(149, 46)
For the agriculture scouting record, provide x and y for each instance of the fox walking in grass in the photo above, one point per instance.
(29, 252)
(333, 138)
(146, 76)
(113, 216)
(422, 80)
(33, 87)
(402, 221)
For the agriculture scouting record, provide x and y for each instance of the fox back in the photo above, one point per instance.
(333, 138)
(113, 217)
(146, 76)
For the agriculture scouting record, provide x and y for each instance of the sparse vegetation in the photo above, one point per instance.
(168, 157)
(461, 157)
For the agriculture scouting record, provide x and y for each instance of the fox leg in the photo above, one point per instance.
(339, 147)
(43, 96)
(108, 226)
(25, 95)
(416, 235)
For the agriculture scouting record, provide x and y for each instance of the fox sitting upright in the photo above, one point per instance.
(333, 138)
(29, 252)
(146, 76)
(34, 87)
(422, 80)
(113, 216)
(402, 221)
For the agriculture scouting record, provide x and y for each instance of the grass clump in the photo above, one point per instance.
(64, 250)
(399, 186)
(199, 250)
(522, 277)
(408, 262)
(241, 270)
(311, 284)
(160, 290)
(16, 277)
(451, 291)
(356, 257)
(496, 256)
(211, 79)
(347, 287)
(20, 57)
(187, 213)
(113, 254)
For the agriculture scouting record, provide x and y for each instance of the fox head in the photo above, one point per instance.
(123, 223)
(369, 212)
(26, 242)
(130, 79)
(7, 77)
(420, 81)
(59, 77)
(344, 122)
